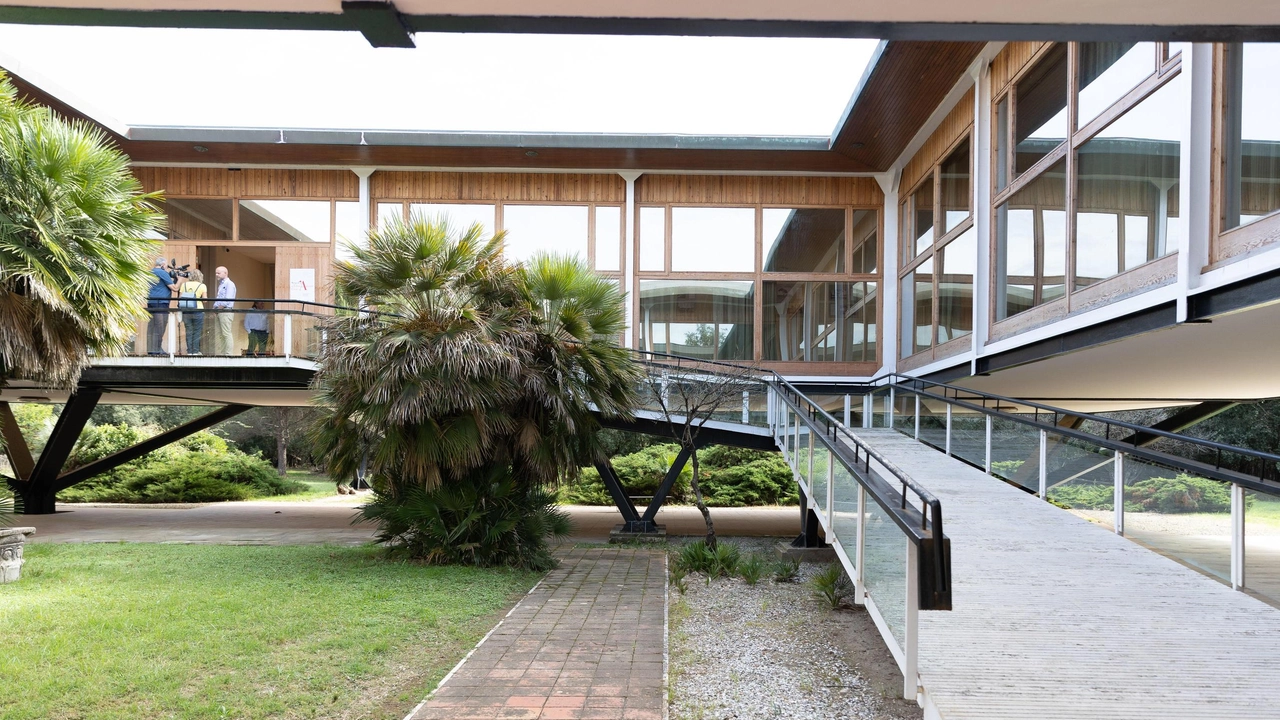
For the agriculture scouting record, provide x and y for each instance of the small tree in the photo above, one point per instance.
(688, 393)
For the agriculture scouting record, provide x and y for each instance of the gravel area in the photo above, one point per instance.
(770, 650)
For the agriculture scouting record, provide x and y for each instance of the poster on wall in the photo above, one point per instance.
(302, 284)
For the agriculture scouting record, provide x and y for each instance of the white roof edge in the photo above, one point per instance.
(13, 66)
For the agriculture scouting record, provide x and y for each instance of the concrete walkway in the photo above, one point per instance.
(588, 642)
(316, 522)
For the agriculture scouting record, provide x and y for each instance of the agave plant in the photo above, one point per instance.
(471, 366)
(73, 255)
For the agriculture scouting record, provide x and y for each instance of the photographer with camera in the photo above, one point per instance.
(158, 305)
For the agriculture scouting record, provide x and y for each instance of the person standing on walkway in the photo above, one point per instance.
(158, 297)
(191, 294)
(255, 323)
(225, 301)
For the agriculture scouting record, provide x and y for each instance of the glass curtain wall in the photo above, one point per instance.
(1131, 106)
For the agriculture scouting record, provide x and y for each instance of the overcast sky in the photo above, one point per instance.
(531, 83)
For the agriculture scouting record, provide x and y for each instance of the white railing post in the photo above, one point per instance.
(288, 336)
(890, 401)
(987, 462)
(911, 640)
(848, 410)
(859, 588)
(948, 429)
(1117, 500)
(868, 410)
(171, 335)
(746, 407)
(917, 435)
(831, 492)
(1044, 470)
(1237, 536)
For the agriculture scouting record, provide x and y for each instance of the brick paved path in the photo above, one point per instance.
(588, 642)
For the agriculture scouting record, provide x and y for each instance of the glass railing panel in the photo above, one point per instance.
(904, 412)
(969, 438)
(933, 422)
(884, 571)
(1262, 544)
(802, 452)
(818, 479)
(1015, 453)
(844, 507)
(1081, 478)
(1179, 515)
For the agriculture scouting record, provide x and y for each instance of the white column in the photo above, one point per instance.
(888, 339)
(917, 430)
(366, 205)
(1195, 198)
(1237, 536)
(288, 336)
(911, 639)
(981, 203)
(1117, 499)
(948, 430)
(629, 262)
(172, 333)
(891, 400)
(987, 462)
(848, 410)
(1044, 469)
(746, 407)
(868, 410)
(859, 588)
(831, 494)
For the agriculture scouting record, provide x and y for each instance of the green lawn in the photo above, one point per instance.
(319, 485)
(206, 631)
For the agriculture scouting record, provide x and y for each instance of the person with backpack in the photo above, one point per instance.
(190, 293)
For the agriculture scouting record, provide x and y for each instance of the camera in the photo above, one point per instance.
(177, 271)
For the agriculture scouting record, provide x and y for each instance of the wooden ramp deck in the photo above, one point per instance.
(1057, 618)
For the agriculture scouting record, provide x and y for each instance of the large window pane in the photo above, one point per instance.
(1002, 144)
(920, 230)
(706, 319)
(388, 212)
(713, 239)
(608, 238)
(559, 229)
(955, 187)
(460, 216)
(1108, 71)
(803, 240)
(917, 318)
(1040, 109)
(1126, 176)
(1031, 252)
(348, 228)
(198, 219)
(955, 286)
(866, 241)
(304, 220)
(1252, 133)
(653, 238)
(819, 321)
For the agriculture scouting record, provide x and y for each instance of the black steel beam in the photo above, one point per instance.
(15, 444)
(379, 22)
(619, 495)
(706, 435)
(97, 467)
(673, 473)
(1143, 321)
(1181, 420)
(1248, 293)
(39, 491)
(809, 526)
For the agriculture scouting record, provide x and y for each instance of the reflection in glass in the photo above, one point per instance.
(1031, 256)
(819, 321)
(608, 238)
(348, 228)
(1108, 71)
(558, 229)
(1251, 133)
(460, 216)
(917, 316)
(921, 227)
(653, 238)
(1040, 120)
(1262, 544)
(304, 220)
(713, 239)
(954, 172)
(1127, 175)
(389, 211)
(884, 571)
(706, 319)
(198, 219)
(955, 286)
(803, 240)
(866, 241)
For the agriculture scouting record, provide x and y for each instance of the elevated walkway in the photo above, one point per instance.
(1054, 617)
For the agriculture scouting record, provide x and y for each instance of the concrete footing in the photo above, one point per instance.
(621, 534)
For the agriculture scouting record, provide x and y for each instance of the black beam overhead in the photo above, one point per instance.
(386, 25)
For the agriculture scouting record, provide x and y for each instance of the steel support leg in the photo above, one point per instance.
(39, 492)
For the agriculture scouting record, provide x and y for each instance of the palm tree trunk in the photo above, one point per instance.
(700, 502)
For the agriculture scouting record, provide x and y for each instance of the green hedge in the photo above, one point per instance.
(731, 477)
(198, 468)
(1180, 494)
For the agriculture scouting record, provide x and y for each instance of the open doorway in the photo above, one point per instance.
(252, 269)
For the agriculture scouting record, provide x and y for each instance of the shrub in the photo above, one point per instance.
(786, 570)
(1084, 497)
(1182, 494)
(766, 480)
(751, 568)
(695, 557)
(832, 585)
(483, 518)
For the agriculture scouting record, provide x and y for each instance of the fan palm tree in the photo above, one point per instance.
(471, 365)
(73, 254)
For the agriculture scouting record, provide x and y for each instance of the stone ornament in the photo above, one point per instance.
(11, 542)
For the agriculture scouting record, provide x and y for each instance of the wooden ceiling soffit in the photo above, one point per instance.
(908, 83)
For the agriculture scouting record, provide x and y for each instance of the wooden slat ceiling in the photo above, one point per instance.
(905, 87)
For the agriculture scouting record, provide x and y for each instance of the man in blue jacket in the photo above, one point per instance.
(158, 297)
